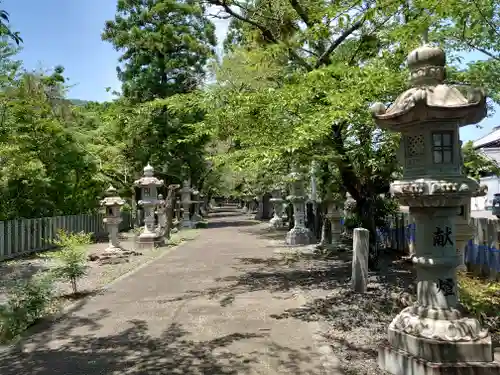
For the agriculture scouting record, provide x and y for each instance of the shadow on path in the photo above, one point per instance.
(134, 351)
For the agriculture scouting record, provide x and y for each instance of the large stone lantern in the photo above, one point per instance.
(299, 234)
(149, 185)
(112, 204)
(432, 336)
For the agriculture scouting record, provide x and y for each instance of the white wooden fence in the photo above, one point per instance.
(23, 236)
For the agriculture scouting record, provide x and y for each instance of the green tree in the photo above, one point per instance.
(343, 57)
(5, 29)
(165, 46)
(477, 164)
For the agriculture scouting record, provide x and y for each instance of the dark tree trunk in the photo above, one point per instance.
(366, 212)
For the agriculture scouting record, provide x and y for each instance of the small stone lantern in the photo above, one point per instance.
(334, 215)
(299, 234)
(432, 336)
(112, 204)
(149, 185)
(186, 202)
(277, 202)
(161, 211)
(196, 203)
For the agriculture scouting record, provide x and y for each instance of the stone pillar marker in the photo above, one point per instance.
(149, 184)
(299, 234)
(112, 204)
(186, 202)
(361, 243)
(433, 337)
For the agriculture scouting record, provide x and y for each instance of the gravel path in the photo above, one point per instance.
(98, 275)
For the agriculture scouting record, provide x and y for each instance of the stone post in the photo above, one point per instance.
(299, 234)
(361, 243)
(149, 184)
(432, 336)
(112, 204)
(186, 202)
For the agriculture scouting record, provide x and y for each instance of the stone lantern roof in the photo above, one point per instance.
(112, 198)
(148, 178)
(429, 98)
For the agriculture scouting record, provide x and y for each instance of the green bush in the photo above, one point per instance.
(27, 301)
(71, 259)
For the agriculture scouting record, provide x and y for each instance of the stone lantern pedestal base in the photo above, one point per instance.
(298, 237)
(399, 362)
(149, 240)
(406, 354)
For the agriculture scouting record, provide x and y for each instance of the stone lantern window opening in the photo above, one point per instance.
(442, 147)
(147, 192)
(110, 211)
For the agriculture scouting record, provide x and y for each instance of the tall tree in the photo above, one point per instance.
(165, 46)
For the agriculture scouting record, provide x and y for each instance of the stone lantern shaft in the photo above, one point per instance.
(432, 336)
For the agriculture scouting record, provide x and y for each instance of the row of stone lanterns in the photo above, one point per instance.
(152, 203)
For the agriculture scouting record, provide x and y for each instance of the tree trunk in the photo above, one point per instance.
(366, 212)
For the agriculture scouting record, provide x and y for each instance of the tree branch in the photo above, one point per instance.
(301, 12)
(324, 58)
(266, 33)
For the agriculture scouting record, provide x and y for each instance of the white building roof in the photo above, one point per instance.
(492, 137)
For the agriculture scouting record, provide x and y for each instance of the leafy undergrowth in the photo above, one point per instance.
(481, 298)
(27, 302)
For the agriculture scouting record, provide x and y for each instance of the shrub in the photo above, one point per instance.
(71, 258)
(27, 301)
(481, 298)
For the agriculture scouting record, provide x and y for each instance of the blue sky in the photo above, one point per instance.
(68, 33)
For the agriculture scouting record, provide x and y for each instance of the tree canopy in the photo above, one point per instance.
(293, 86)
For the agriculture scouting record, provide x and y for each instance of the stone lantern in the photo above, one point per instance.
(334, 215)
(196, 202)
(277, 202)
(161, 211)
(299, 234)
(149, 185)
(112, 204)
(186, 202)
(432, 336)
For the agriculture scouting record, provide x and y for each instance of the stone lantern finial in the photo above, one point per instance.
(427, 65)
(149, 171)
(111, 191)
